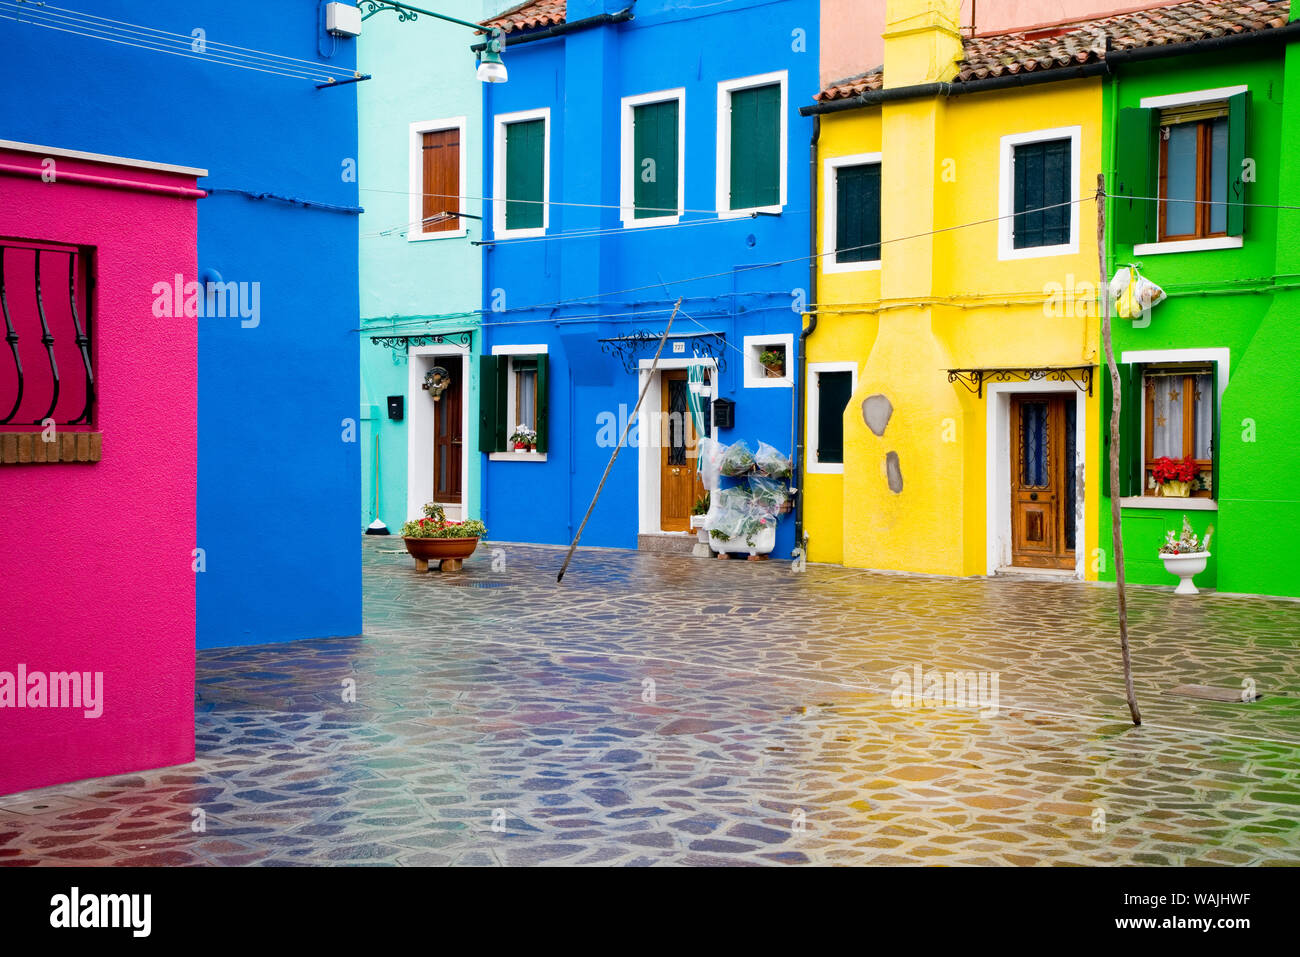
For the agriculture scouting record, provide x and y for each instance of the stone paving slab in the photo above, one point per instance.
(668, 710)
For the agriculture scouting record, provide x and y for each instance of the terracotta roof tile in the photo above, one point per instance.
(1086, 41)
(529, 15)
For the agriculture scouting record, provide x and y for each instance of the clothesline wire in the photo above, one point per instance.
(586, 233)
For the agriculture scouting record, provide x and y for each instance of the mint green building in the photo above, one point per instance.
(419, 171)
(1202, 159)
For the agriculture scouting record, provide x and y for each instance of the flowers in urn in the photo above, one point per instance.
(1187, 542)
(523, 438)
(1173, 477)
(435, 525)
(1185, 556)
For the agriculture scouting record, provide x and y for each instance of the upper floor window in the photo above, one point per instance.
(1039, 193)
(521, 173)
(653, 151)
(1194, 172)
(751, 144)
(851, 237)
(437, 174)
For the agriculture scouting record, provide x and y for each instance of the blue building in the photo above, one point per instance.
(253, 95)
(640, 155)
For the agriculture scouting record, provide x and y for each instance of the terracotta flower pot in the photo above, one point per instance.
(774, 371)
(448, 552)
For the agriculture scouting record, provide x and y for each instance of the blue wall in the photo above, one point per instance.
(278, 485)
(582, 78)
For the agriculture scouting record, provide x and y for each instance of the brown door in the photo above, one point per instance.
(1042, 481)
(447, 437)
(679, 484)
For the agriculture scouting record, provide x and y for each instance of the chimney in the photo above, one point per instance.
(922, 41)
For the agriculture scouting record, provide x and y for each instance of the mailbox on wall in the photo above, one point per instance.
(395, 407)
(724, 413)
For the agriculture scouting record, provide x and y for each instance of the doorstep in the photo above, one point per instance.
(667, 543)
(1036, 574)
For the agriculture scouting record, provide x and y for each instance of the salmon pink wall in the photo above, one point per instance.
(95, 558)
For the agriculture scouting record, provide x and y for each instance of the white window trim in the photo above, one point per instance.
(1007, 193)
(1187, 245)
(648, 448)
(1190, 98)
(627, 162)
(500, 122)
(415, 222)
(1220, 358)
(830, 196)
(812, 422)
(516, 350)
(420, 427)
(755, 375)
(723, 172)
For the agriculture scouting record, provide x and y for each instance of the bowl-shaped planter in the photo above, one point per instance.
(1185, 566)
(450, 553)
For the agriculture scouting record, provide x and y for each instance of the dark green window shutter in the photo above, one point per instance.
(756, 147)
(525, 174)
(857, 213)
(490, 406)
(1238, 117)
(1132, 471)
(834, 389)
(654, 159)
(1136, 155)
(542, 405)
(1214, 433)
(1041, 178)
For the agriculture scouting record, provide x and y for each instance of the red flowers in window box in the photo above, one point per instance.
(1165, 469)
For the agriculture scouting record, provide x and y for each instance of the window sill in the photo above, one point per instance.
(516, 456)
(28, 448)
(824, 468)
(426, 237)
(651, 222)
(1187, 245)
(750, 212)
(830, 267)
(1171, 504)
(1009, 252)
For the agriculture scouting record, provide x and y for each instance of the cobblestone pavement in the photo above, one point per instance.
(661, 709)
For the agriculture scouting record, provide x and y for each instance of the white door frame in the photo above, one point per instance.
(648, 519)
(998, 466)
(420, 427)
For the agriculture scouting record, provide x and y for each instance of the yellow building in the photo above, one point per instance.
(955, 310)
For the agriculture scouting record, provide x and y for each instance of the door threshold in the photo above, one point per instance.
(1050, 574)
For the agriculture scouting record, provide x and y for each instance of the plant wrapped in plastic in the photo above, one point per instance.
(727, 515)
(737, 460)
(771, 462)
(770, 493)
(710, 452)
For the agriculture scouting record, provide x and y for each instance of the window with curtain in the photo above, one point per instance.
(525, 371)
(1180, 422)
(1194, 172)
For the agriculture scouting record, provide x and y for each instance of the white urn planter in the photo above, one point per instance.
(1185, 566)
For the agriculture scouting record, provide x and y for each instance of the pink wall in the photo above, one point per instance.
(95, 559)
(851, 29)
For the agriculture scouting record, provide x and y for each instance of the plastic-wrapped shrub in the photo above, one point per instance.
(728, 512)
(770, 493)
(771, 462)
(710, 452)
(737, 459)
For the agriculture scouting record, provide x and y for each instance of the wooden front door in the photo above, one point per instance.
(1043, 483)
(447, 435)
(679, 483)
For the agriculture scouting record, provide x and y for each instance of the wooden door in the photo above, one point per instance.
(679, 483)
(1043, 485)
(447, 434)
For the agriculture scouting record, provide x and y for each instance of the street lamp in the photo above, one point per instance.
(490, 67)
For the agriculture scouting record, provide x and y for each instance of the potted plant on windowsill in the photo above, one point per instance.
(1172, 477)
(1185, 557)
(433, 538)
(524, 439)
(773, 362)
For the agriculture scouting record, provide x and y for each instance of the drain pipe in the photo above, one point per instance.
(801, 384)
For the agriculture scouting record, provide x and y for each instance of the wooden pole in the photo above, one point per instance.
(630, 419)
(1117, 537)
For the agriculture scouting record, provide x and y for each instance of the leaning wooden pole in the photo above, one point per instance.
(1116, 532)
(630, 419)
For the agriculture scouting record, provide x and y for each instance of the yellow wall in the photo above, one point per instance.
(944, 301)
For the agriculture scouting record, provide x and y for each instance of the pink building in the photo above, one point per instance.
(97, 466)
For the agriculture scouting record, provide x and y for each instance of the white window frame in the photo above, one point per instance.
(1191, 98)
(830, 196)
(755, 375)
(516, 350)
(812, 464)
(499, 124)
(627, 162)
(1007, 192)
(723, 177)
(1220, 358)
(415, 222)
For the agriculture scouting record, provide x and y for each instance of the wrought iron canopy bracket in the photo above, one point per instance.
(628, 349)
(400, 343)
(974, 379)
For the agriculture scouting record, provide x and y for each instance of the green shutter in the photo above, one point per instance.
(1238, 115)
(857, 213)
(654, 155)
(489, 410)
(1214, 433)
(756, 147)
(834, 389)
(1041, 179)
(525, 174)
(1130, 429)
(1136, 156)
(542, 386)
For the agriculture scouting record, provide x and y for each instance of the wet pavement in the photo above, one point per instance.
(659, 709)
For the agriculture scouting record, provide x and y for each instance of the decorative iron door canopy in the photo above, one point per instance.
(399, 343)
(974, 379)
(704, 345)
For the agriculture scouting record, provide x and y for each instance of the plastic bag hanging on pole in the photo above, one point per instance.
(1132, 294)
